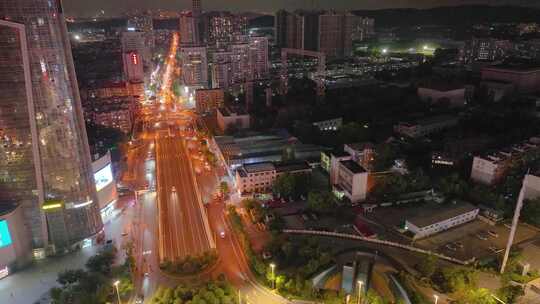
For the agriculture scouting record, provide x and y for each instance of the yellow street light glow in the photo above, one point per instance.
(51, 206)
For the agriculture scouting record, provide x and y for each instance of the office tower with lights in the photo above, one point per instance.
(44, 156)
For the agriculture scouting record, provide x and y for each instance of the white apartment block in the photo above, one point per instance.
(259, 177)
(352, 181)
(335, 158)
(490, 168)
(435, 220)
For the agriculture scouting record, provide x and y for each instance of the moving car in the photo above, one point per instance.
(222, 234)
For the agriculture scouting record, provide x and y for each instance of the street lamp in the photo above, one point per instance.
(359, 291)
(116, 283)
(436, 298)
(272, 267)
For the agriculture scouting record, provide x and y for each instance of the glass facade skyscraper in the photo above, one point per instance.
(44, 154)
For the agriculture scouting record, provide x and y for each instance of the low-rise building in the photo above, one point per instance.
(352, 181)
(232, 117)
(427, 126)
(525, 78)
(456, 95)
(490, 168)
(329, 124)
(439, 219)
(497, 90)
(259, 177)
(209, 100)
(256, 147)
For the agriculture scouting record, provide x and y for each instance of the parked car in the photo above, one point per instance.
(451, 247)
(458, 245)
(482, 236)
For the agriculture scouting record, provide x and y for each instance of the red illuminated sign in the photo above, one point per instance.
(134, 58)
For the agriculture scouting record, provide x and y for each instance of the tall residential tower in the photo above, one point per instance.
(44, 156)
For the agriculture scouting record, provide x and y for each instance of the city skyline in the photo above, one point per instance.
(86, 8)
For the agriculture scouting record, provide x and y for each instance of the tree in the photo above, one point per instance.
(428, 266)
(320, 201)
(284, 185)
(476, 296)
(510, 293)
(70, 276)
(224, 187)
(386, 155)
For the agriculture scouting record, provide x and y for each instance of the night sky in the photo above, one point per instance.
(113, 7)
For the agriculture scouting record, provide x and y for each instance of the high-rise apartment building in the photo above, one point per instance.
(144, 23)
(135, 41)
(187, 29)
(335, 34)
(245, 60)
(222, 26)
(240, 66)
(221, 69)
(363, 28)
(329, 33)
(485, 49)
(44, 156)
(258, 57)
(133, 67)
(194, 66)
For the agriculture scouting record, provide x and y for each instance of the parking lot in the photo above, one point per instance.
(474, 239)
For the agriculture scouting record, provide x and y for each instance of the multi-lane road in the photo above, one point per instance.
(183, 225)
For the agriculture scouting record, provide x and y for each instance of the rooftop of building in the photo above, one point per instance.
(339, 153)
(353, 166)
(515, 67)
(438, 213)
(7, 207)
(209, 90)
(507, 152)
(291, 166)
(361, 146)
(441, 85)
(429, 120)
(255, 147)
(259, 167)
(233, 110)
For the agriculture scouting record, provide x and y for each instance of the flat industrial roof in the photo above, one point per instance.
(429, 216)
(291, 166)
(259, 167)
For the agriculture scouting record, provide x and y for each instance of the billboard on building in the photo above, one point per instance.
(103, 177)
(5, 236)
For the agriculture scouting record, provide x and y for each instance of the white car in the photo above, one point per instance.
(173, 189)
(222, 234)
